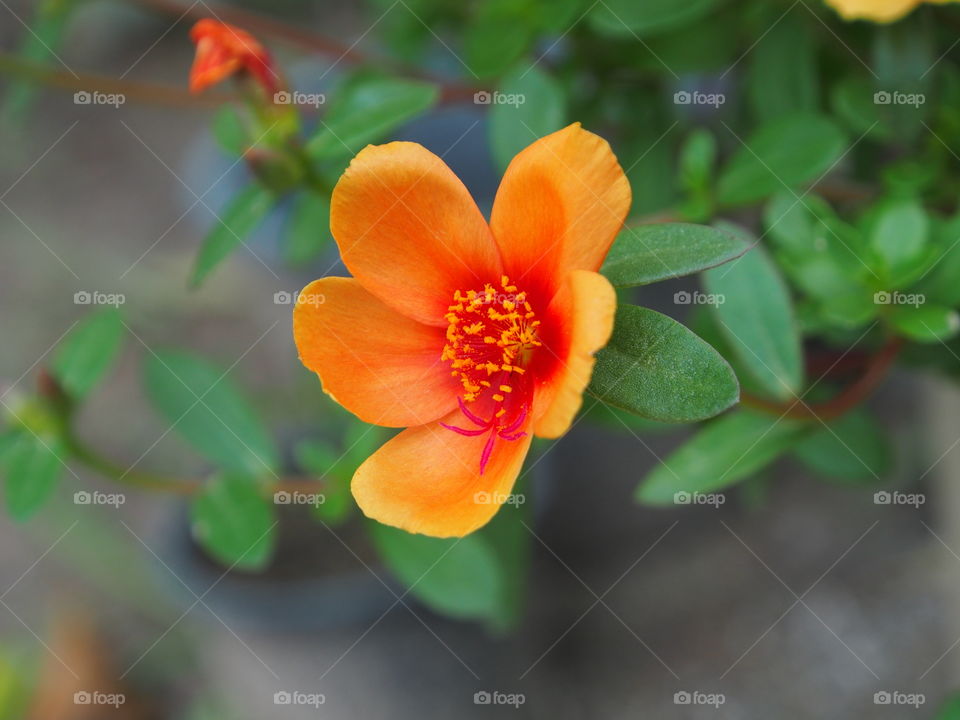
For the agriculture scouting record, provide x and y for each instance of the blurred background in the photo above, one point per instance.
(789, 598)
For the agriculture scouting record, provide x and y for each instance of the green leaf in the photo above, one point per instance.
(925, 323)
(88, 352)
(32, 467)
(530, 104)
(787, 152)
(725, 451)
(650, 253)
(697, 157)
(209, 412)
(757, 317)
(783, 77)
(459, 577)
(899, 233)
(496, 38)
(852, 448)
(320, 459)
(512, 544)
(235, 522)
(309, 229)
(631, 18)
(655, 367)
(230, 131)
(366, 111)
(240, 218)
(940, 284)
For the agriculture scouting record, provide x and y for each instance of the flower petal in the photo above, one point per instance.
(882, 11)
(382, 366)
(427, 480)
(560, 205)
(409, 231)
(589, 303)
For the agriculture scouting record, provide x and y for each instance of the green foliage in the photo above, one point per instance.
(88, 352)
(533, 106)
(655, 367)
(33, 465)
(231, 131)
(240, 218)
(209, 412)
(308, 232)
(783, 77)
(650, 253)
(632, 19)
(851, 449)
(235, 521)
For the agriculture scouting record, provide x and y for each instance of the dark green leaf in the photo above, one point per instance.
(655, 367)
(459, 577)
(235, 521)
(757, 316)
(783, 70)
(33, 467)
(309, 230)
(725, 451)
(631, 18)
(88, 351)
(925, 323)
(366, 111)
(240, 218)
(529, 105)
(209, 412)
(787, 152)
(852, 448)
(649, 253)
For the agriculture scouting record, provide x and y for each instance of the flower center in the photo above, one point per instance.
(490, 339)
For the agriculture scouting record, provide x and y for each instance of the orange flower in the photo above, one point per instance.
(472, 336)
(223, 50)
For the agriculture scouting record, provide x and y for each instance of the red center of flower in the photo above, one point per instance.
(490, 339)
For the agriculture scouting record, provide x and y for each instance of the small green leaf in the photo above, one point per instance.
(209, 412)
(366, 111)
(631, 18)
(309, 229)
(320, 459)
(725, 451)
(789, 151)
(88, 352)
(655, 367)
(852, 448)
(940, 284)
(459, 577)
(230, 131)
(697, 156)
(240, 218)
(756, 314)
(235, 521)
(650, 253)
(32, 468)
(925, 323)
(496, 38)
(530, 104)
(898, 235)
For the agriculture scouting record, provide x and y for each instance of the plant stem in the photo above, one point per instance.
(854, 394)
